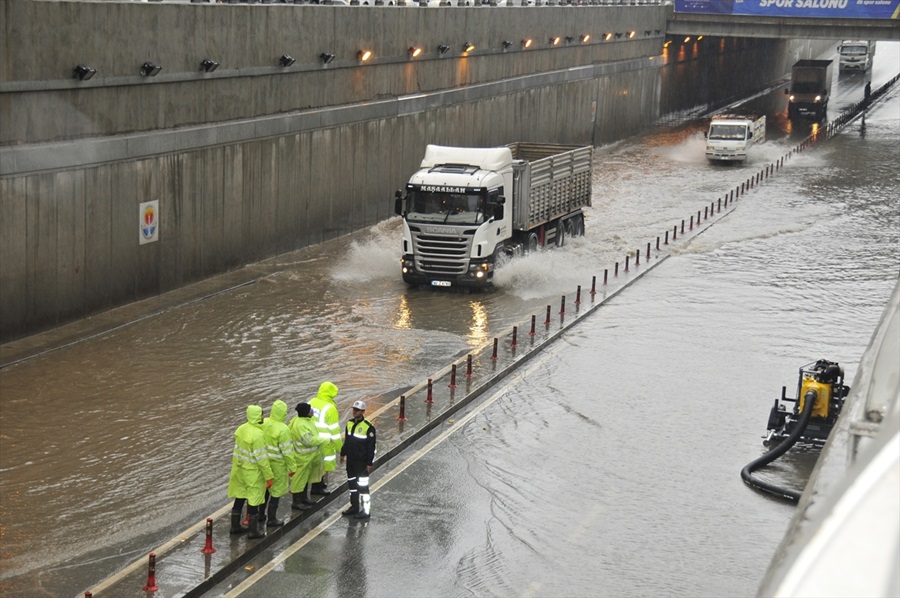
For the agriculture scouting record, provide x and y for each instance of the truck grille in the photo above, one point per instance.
(442, 254)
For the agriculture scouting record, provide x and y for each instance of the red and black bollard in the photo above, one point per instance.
(151, 575)
(453, 376)
(657, 243)
(637, 257)
(682, 226)
(666, 242)
(429, 395)
(468, 366)
(648, 252)
(692, 222)
(627, 257)
(606, 275)
(578, 295)
(208, 548)
(515, 337)
(402, 416)
(674, 232)
(533, 322)
(616, 269)
(562, 306)
(594, 278)
(494, 354)
(547, 321)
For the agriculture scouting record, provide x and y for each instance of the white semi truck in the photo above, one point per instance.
(855, 55)
(468, 210)
(730, 136)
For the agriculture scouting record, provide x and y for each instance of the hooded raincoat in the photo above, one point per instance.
(250, 468)
(328, 422)
(281, 448)
(307, 444)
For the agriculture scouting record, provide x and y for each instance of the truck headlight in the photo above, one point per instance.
(407, 265)
(480, 269)
(791, 97)
(818, 98)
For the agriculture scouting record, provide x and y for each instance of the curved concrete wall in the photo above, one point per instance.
(249, 161)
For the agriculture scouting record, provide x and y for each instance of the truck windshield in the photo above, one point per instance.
(722, 132)
(854, 50)
(455, 208)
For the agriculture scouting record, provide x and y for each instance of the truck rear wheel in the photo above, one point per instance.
(578, 226)
(560, 234)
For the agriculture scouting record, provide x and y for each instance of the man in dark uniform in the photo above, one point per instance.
(359, 451)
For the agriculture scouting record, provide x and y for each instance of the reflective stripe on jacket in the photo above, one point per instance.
(307, 445)
(280, 447)
(328, 423)
(359, 443)
(250, 467)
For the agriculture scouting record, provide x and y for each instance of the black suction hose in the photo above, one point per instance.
(786, 444)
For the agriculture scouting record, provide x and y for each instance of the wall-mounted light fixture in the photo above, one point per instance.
(657, 31)
(647, 32)
(364, 55)
(570, 39)
(443, 48)
(607, 36)
(150, 69)
(414, 52)
(585, 38)
(554, 41)
(526, 43)
(209, 65)
(699, 37)
(83, 72)
(667, 44)
(631, 34)
(286, 60)
(506, 44)
(467, 47)
(326, 57)
(687, 39)
(618, 35)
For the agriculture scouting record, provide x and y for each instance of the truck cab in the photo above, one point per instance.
(730, 136)
(856, 55)
(454, 220)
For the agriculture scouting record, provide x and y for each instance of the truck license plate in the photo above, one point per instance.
(440, 283)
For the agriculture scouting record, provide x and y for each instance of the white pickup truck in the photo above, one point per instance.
(730, 136)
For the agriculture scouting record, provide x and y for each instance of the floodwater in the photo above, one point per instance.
(613, 467)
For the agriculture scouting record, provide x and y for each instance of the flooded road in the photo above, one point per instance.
(113, 445)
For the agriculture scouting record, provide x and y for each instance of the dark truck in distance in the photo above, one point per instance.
(809, 89)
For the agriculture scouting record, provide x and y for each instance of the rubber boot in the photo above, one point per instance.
(320, 489)
(273, 511)
(236, 526)
(297, 502)
(257, 528)
(354, 505)
(365, 503)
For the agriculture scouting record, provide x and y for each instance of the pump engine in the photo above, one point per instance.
(826, 379)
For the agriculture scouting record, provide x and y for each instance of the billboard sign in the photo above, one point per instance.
(826, 9)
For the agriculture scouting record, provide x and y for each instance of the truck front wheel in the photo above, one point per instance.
(532, 243)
